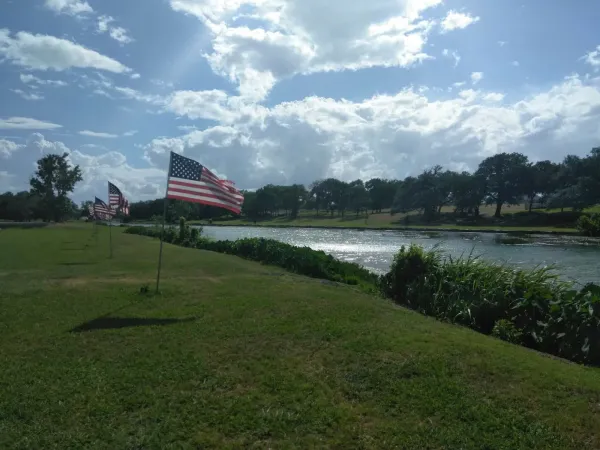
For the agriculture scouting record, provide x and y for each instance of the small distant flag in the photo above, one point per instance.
(190, 181)
(117, 200)
(102, 211)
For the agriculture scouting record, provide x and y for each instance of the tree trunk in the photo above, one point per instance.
(530, 203)
(440, 209)
(498, 210)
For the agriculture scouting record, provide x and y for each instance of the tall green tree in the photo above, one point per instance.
(54, 179)
(505, 175)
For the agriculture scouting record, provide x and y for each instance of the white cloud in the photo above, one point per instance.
(130, 133)
(476, 77)
(454, 55)
(31, 96)
(119, 34)
(43, 52)
(72, 7)
(33, 80)
(390, 135)
(98, 135)
(135, 76)
(307, 36)
(26, 123)
(18, 164)
(7, 147)
(456, 21)
(502, 43)
(515, 63)
(593, 58)
(493, 97)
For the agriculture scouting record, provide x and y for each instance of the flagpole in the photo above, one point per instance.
(109, 226)
(162, 232)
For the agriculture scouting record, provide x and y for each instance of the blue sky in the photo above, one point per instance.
(285, 91)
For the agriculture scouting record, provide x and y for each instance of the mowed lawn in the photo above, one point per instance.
(234, 354)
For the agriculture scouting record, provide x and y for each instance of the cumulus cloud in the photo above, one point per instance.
(130, 133)
(71, 7)
(44, 52)
(390, 135)
(98, 134)
(476, 77)
(19, 162)
(307, 36)
(26, 123)
(457, 21)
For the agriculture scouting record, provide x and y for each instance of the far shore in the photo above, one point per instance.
(459, 229)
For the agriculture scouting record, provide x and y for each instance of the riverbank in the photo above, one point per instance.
(237, 354)
(441, 228)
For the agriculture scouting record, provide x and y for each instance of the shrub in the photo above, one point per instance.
(589, 225)
(531, 307)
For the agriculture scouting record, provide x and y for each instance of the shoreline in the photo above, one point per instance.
(416, 228)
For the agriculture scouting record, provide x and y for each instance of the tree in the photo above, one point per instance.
(468, 192)
(53, 180)
(540, 179)
(504, 175)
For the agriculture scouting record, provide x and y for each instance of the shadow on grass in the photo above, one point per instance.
(79, 263)
(113, 323)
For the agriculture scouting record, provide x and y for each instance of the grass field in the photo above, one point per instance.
(233, 354)
(388, 221)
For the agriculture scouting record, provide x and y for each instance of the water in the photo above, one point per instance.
(575, 259)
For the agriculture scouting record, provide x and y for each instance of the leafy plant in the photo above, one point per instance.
(589, 225)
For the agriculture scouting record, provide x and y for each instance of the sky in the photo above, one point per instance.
(291, 91)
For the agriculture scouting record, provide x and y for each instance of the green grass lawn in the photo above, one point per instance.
(234, 354)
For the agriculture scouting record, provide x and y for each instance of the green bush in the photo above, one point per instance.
(301, 260)
(589, 225)
(530, 307)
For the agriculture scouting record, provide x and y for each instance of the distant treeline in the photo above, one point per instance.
(500, 180)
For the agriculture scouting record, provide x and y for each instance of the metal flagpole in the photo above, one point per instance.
(109, 226)
(162, 232)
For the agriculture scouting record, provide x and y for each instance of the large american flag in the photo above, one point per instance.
(117, 200)
(190, 181)
(102, 210)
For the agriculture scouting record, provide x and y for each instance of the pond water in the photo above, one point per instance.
(575, 259)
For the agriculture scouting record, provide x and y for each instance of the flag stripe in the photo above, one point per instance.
(204, 200)
(198, 186)
(205, 193)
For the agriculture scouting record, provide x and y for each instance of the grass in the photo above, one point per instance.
(234, 354)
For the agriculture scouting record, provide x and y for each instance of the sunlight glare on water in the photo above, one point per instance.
(376, 249)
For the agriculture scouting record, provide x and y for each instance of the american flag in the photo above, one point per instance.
(190, 181)
(102, 210)
(117, 200)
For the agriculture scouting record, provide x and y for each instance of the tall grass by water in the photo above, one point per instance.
(527, 307)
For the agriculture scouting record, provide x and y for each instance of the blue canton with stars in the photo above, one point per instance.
(182, 167)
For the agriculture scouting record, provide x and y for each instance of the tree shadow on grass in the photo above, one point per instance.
(113, 323)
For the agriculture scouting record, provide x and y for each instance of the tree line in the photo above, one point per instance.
(500, 180)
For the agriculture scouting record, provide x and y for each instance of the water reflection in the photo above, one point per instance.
(575, 259)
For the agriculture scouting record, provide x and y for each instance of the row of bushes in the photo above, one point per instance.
(527, 307)
(301, 260)
(531, 308)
